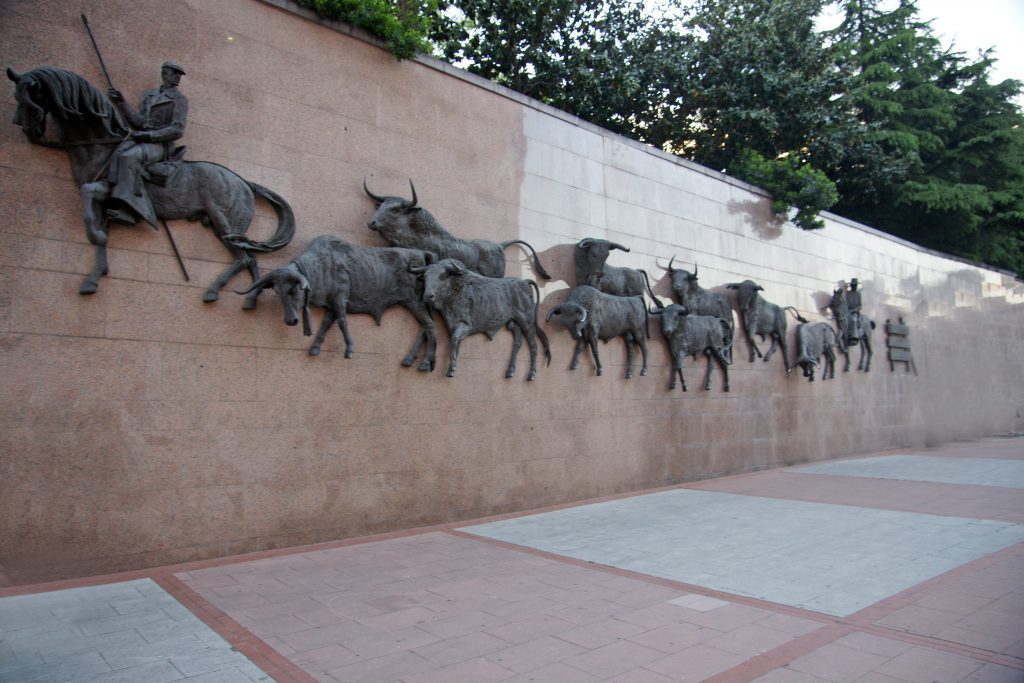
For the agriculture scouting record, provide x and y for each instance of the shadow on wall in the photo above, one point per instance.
(758, 215)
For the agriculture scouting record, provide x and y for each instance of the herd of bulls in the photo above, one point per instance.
(428, 269)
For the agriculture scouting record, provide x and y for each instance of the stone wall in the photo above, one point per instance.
(140, 426)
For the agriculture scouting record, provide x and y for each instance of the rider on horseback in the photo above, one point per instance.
(159, 122)
(854, 326)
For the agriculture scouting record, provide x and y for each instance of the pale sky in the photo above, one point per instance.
(973, 25)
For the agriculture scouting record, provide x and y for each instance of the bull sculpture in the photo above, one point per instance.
(696, 299)
(404, 224)
(347, 278)
(590, 315)
(812, 342)
(764, 319)
(590, 259)
(471, 303)
(689, 334)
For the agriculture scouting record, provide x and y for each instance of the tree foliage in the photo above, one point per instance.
(404, 25)
(875, 118)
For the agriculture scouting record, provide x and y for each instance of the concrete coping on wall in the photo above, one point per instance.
(572, 119)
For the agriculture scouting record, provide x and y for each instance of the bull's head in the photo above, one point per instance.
(684, 283)
(746, 293)
(572, 315)
(591, 254)
(671, 316)
(439, 278)
(393, 218)
(294, 291)
(30, 114)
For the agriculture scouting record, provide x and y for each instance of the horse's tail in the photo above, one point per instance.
(536, 261)
(285, 223)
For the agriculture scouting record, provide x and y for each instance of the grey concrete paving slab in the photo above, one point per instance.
(944, 470)
(130, 631)
(835, 559)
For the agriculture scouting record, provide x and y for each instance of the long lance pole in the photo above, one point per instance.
(103, 65)
(110, 84)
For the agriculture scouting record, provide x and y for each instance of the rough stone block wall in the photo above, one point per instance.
(140, 426)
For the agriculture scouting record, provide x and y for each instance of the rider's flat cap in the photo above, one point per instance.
(173, 65)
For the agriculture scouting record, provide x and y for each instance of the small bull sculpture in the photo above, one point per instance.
(590, 259)
(764, 319)
(696, 299)
(470, 303)
(403, 224)
(590, 315)
(813, 342)
(688, 334)
(346, 278)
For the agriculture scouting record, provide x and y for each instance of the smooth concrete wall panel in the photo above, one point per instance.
(140, 426)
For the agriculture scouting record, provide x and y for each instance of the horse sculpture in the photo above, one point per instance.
(850, 333)
(89, 129)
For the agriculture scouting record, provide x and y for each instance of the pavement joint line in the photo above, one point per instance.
(240, 638)
(766, 662)
(864, 620)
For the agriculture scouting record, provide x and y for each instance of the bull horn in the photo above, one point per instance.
(417, 270)
(429, 257)
(557, 310)
(12, 74)
(670, 262)
(376, 198)
(585, 243)
(412, 203)
(456, 268)
(616, 245)
(694, 270)
(262, 283)
(656, 311)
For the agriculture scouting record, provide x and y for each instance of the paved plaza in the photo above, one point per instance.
(895, 568)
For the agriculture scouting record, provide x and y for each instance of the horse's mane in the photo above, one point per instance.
(75, 98)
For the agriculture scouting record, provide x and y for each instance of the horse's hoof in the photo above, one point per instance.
(88, 288)
(209, 297)
(248, 304)
(450, 373)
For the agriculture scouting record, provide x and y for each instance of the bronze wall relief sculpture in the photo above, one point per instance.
(764, 319)
(689, 334)
(123, 164)
(404, 224)
(590, 262)
(347, 278)
(591, 315)
(471, 303)
(854, 327)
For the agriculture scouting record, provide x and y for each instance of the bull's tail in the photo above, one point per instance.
(285, 224)
(540, 330)
(536, 261)
(647, 320)
(796, 314)
(650, 291)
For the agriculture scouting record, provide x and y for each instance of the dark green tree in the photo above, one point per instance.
(949, 174)
(608, 62)
(759, 101)
(403, 25)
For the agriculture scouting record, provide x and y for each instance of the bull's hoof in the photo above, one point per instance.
(88, 287)
(314, 350)
(643, 373)
(629, 375)
(425, 367)
(598, 372)
(510, 374)
(348, 353)
(574, 366)
(450, 373)
(210, 297)
(726, 388)
(408, 361)
(248, 304)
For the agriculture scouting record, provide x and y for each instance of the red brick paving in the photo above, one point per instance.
(440, 606)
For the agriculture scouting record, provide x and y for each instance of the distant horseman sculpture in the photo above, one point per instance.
(854, 327)
(124, 172)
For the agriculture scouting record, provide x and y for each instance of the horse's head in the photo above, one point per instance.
(30, 114)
